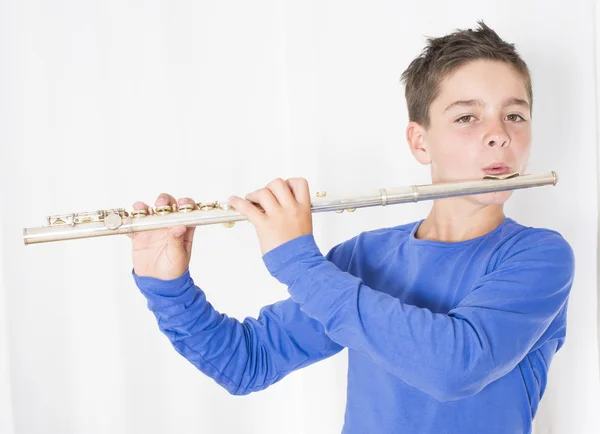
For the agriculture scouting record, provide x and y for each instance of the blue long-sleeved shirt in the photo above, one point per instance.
(442, 337)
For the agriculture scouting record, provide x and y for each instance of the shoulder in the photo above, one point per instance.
(536, 248)
(373, 242)
(542, 241)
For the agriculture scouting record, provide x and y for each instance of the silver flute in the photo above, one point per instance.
(118, 221)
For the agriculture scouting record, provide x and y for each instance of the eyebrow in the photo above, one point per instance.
(480, 103)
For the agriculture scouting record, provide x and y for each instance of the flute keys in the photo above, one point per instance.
(206, 206)
(162, 210)
(112, 221)
(321, 193)
(56, 221)
(229, 224)
(138, 213)
(73, 219)
(187, 207)
(351, 209)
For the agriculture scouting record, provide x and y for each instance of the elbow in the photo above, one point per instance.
(246, 388)
(239, 391)
(468, 374)
(235, 389)
(448, 394)
(454, 388)
(231, 387)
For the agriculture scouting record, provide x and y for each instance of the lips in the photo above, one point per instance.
(497, 168)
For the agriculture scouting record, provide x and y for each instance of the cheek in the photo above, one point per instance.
(521, 134)
(520, 143)
(456, 148)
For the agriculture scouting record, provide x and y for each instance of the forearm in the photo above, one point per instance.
(241, 356)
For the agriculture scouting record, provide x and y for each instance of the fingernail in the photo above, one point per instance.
(161, 201)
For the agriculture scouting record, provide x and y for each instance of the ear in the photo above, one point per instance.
(416, 137)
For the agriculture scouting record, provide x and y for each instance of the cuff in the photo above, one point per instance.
(163, 287)
(292, 258)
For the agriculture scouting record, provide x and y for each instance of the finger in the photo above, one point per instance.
(300, 190)
(265, 198)
(139, 206)
(165, 199)
(281, 191)
(178, 231)
(175, 238)
(247, 209)
(187, 201)
(189, 233)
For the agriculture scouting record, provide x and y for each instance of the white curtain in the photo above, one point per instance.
(105, 103)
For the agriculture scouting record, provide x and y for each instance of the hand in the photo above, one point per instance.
(286, 211)
(162, 253)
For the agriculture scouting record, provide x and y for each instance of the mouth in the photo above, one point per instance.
(497, 168)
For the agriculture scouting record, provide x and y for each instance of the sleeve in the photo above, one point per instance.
(242, 357)
(448, 356)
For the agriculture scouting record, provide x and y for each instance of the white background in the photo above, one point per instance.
(105, 103)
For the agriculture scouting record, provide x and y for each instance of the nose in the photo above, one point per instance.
(497, 136)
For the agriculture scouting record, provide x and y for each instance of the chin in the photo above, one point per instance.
(493, 198)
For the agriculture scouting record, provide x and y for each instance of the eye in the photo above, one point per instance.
(513, 117)
(464, 119)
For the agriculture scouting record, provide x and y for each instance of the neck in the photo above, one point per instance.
(457, 219)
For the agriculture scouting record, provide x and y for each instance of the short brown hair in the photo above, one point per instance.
(442, 56)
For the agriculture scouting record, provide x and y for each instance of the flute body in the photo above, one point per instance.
(119, 221)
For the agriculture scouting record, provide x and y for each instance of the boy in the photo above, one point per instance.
(451, 322)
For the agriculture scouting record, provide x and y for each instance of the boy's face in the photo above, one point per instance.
(480, 124)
